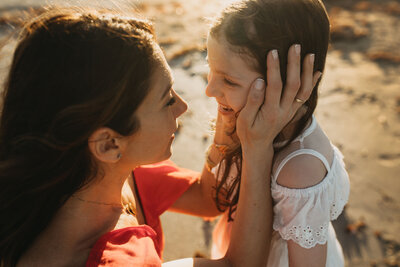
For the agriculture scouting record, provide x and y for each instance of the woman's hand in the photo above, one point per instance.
(267, 110)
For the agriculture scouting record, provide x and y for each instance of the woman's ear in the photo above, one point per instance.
(105, 145)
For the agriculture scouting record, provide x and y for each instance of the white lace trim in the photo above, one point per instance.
(308, 236)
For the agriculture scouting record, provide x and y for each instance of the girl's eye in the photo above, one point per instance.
(228, 82)
(171, 101)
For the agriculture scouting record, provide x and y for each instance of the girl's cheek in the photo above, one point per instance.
(238, 102)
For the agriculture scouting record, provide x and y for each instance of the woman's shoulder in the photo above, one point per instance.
(161, 184)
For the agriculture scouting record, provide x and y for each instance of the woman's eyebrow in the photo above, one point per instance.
(167, 89)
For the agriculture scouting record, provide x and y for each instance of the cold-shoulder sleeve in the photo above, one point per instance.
(303, 215)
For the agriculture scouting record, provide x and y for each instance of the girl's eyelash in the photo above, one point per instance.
(171, 101)
(229, 82)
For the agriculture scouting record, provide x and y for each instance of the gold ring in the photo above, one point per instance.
(298, 100)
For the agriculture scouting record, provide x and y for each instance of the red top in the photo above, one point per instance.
(159, 186)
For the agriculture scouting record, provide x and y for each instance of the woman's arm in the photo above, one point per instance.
(199, 200)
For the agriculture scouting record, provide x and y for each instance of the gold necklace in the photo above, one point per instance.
(128, 208)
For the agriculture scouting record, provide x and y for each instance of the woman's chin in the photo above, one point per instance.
(167, 154)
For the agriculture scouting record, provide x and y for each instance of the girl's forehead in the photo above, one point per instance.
(221, 57)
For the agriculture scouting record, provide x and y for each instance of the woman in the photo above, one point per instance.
(88, 99)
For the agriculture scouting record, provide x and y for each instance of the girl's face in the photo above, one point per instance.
(157, 115)
(229, 78)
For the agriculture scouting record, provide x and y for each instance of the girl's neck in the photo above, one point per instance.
(290, 128)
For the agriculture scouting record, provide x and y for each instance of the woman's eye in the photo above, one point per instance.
(171, 101)
(228, 82)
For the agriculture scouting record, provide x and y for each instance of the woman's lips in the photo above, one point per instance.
(225, 110)
(171, 140)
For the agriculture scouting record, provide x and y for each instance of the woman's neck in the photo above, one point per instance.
(79, 223)
(96, 207)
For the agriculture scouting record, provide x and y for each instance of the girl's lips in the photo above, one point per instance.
(224, 110)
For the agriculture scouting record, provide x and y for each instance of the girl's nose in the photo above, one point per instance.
(212, 88)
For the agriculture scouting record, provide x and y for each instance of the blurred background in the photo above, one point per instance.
(359, 109)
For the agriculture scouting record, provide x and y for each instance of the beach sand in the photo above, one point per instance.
(359, 109)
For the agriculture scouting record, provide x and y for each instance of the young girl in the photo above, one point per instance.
(309, 183)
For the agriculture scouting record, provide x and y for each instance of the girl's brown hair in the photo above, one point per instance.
(253, 28)
(73, 72)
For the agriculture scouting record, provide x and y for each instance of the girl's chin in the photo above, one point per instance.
(225, 112)
(228, 116)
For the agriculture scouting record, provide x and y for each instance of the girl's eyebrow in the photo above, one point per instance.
(224, 73)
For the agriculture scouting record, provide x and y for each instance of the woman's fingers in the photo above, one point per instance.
(292, 76)
(274, 81)
(255, 99)
(307, 80)
(316, 77)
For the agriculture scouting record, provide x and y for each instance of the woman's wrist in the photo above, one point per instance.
(255, 155)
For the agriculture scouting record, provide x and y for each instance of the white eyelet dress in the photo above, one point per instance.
(302, 215)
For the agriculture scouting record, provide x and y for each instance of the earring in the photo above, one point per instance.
(119, 155)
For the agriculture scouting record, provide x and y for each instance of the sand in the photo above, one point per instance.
(359, 109)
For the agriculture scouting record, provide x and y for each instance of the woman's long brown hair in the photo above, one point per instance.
(253, 28)
(73, 71)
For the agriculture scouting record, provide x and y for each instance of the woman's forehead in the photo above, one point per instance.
(161, 81)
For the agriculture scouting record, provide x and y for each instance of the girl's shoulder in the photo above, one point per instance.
(303, 170)
(305, 162)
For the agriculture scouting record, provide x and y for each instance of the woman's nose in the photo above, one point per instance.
(180, 107)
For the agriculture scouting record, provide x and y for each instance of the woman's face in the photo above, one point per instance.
(229, 78)
(157, 116)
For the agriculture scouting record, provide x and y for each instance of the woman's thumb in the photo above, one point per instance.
(255, 99)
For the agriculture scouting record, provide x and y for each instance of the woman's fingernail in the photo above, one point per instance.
(275, 54)
(259, 84)
(297, 48)
(312, 58)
